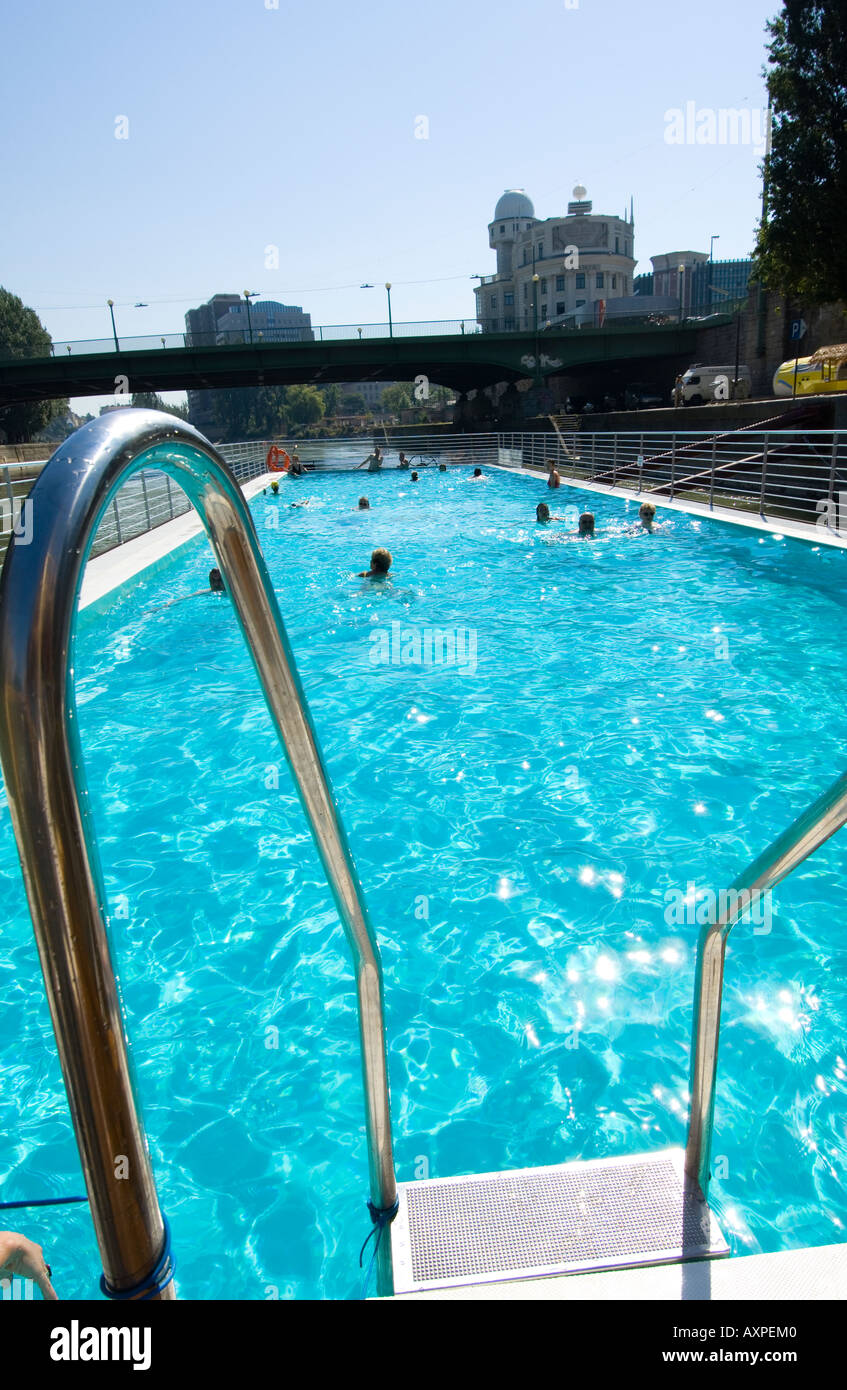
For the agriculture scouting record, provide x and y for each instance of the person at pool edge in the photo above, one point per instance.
(553, 478)
(296, 470)
(373, 462)
(380, 565)
(403, 462)
(23, 1259)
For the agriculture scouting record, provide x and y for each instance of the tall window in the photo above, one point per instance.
(525, 292)
(580, 281)
(560, 307)
(598, 280)
(540, 251)
(560, 282)
(614, 282)
(617, 243)
(508, 300)
(543, 286)
(544, 311)
(494, 301)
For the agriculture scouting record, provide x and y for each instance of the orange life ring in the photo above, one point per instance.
(273, 460)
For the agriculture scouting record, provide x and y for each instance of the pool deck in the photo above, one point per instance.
(798, 1275)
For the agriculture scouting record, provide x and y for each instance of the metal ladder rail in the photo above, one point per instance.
(49, 806)
(822, 819)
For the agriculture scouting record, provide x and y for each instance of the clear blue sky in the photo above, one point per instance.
(295, 126)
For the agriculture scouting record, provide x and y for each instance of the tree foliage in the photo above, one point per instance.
(802, 249)
(151, 400)
(22, 334)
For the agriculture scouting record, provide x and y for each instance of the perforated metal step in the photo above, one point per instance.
(570, 1217)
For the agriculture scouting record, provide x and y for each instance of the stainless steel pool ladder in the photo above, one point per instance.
(49, 806)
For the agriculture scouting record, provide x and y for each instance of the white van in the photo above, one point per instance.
(702, 384)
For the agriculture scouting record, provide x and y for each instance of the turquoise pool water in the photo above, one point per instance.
(625, 717)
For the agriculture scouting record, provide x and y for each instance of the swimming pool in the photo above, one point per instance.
(618, 719)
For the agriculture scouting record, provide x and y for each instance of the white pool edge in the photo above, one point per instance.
(796, 530)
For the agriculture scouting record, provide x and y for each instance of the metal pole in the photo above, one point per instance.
(807, 834)
(117, 521)
(111, 305)
(390, 324)
(712, 478)
(673, 463)
(48, 803)
(615, 461)
(764, 476)
(146, 501)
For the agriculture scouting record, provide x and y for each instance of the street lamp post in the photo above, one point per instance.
(390, 324)
(680, 270)
(535, 280)
(712, 241)
(247, 296)
(111, 304)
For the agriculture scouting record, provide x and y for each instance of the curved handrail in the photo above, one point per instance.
(822, 819)
(48, 801)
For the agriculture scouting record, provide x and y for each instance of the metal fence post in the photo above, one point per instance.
(712, 478)
(833, 466)
(117, 522)
(764, 476)
(170, 497)
(593, 448)
(143, 477)
(615, 461)
(673, 463)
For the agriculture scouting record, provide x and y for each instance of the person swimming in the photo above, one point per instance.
(216, 583)
(542, 514)
(414, 477)
(586, 525)
(364, 504)
(442, 467)
(380, 565)
(647, 513)
(477, 473)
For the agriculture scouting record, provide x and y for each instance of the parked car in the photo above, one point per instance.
(642, 396)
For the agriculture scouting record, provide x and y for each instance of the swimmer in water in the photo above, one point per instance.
(364, 504)
(553, 478)
(442, 467)
(216, 586)
(404, 462)
(380, 565)
(647, 513)
(586, 526)
(414, 478)
(542, 514)
(477, 473)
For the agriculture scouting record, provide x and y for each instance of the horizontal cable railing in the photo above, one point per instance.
(790, 474)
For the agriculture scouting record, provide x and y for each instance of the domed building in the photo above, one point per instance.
(554, 270)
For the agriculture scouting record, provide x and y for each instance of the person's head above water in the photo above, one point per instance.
(216, 583)
(586, 524)
(647, 513)
(364, 504)
(442, 467)
(542, 512)
(414, 477)
(380, 562)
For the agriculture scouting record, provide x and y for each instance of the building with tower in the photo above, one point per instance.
(555, 269)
